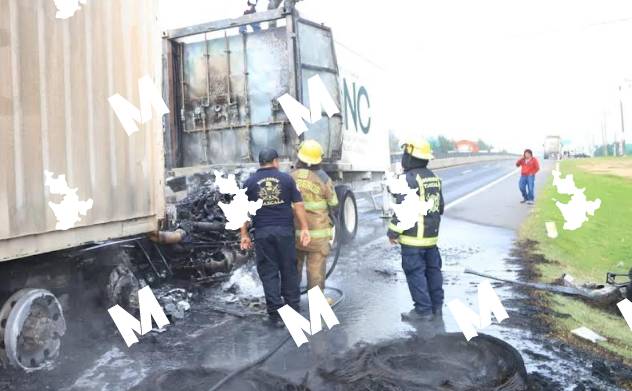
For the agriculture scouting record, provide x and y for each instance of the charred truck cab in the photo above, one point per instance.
(221, 84)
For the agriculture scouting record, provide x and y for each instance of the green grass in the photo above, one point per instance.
(611, 326)
(602, 244)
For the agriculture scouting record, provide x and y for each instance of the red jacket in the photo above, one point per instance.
(528, 167)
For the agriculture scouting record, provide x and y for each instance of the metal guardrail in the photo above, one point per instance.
(397, 157)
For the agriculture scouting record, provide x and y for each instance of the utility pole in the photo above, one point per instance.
(622, 121)
(604, 136)
(622, 124)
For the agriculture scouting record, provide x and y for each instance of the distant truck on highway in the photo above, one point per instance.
(552, 147)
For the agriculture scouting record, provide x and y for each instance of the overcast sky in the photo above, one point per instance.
(507, 71)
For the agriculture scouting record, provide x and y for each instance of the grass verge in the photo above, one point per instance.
(602, 244)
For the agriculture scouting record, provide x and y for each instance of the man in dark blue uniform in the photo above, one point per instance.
(274, 233)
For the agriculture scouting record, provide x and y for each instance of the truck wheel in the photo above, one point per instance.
(122, 288)
(348, 214)
(31, 326)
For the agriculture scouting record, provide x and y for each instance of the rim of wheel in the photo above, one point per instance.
(4, 316)
(33, 329)
(350, 215)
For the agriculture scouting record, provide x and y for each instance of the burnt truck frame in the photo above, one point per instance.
(221, 82)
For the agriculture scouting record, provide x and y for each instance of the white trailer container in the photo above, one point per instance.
(55, 79)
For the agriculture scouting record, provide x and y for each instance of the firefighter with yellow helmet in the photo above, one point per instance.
(421, 259)
(319, 197)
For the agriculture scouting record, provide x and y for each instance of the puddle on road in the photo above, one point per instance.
(196, 379)
(114, 364)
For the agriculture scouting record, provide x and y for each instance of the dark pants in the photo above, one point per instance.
(527, 187)
(276, 264)
(422, 267)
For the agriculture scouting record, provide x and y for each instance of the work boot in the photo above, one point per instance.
(529, 202)
(276, 322)
(414, 316)
(523, 201)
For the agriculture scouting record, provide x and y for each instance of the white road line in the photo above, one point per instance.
(480, 190)
(466, 171)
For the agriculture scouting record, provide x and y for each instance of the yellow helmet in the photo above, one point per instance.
(419, 148)
(310, 152)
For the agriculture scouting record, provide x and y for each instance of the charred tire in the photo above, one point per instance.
(122, 288)
(347, 213)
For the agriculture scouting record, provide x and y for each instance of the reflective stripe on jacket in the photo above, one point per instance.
(425, 233)
(319, 195)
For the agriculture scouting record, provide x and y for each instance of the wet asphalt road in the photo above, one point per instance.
(369, 273)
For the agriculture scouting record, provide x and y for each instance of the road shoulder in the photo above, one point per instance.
(499, 204)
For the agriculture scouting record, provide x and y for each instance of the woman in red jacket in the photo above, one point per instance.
(529, 167)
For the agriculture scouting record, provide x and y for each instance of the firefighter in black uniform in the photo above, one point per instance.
(421, 259)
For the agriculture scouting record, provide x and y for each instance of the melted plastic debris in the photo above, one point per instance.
(175, 303)
(244, 282)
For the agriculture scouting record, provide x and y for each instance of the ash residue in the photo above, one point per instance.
(444, 362)
(530, 312)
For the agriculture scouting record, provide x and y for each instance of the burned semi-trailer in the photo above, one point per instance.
(222, 82)
(77, 193)
(80, 192)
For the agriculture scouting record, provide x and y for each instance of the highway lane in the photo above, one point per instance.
(461, 180)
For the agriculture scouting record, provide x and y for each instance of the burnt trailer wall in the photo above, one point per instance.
(55, 79)
(222, 82)
(227, 99)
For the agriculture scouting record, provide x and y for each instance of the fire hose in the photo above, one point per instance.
(599, 295)
(278, 346)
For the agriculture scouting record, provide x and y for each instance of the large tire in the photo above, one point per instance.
(348, 214)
